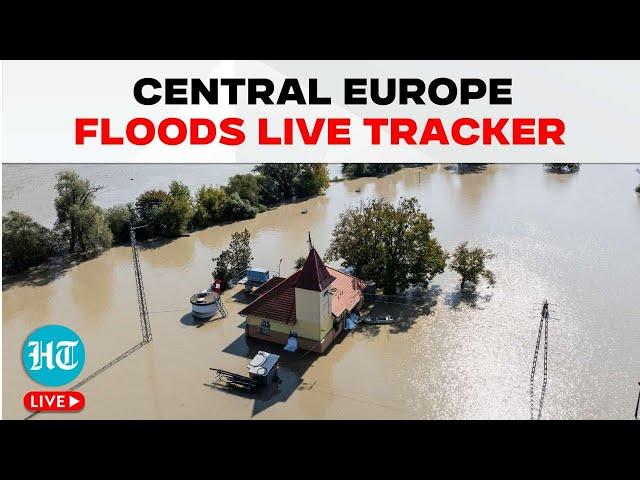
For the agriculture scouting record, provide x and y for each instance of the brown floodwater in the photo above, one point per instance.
(570, 238)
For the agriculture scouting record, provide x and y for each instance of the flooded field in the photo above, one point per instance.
(570, 238)
(29, 188)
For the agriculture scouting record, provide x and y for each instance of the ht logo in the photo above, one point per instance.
(53, 355)
(64, 356)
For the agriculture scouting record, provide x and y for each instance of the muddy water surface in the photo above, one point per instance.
(570, 238)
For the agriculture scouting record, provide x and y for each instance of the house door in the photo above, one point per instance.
(265, 328)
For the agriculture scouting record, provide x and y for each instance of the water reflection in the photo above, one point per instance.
(168, 253)
(470, 183)
(92, 287)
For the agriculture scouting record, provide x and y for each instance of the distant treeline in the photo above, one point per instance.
(83, 227)
(356, 170)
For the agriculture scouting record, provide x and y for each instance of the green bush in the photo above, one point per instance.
(25, 243)
(238, 209)
(165, 214)
(356, 170)
(151, 210)
(118, 218)
(210, 205)
(563, 167)
(246, 186)
(234, 261)
(270, 193)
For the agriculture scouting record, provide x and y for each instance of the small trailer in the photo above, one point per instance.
(263, 369)
(254, 278)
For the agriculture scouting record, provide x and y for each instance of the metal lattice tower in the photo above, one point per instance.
(145, 325)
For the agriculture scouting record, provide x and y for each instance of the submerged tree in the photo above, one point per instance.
(80, 221)
(119, 217)
(234, 261)
(209, 206)
(469, 263)
(299, 263)
(563, 167)
(312, 179)
(25, 243)
(241, 255)
(165, 214)
(356, 170)
(246, 186)
(222, 269)
(391, 245)
(149, 211)
(289, 179)
(283, 175)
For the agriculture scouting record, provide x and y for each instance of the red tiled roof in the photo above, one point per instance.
(268, 285)
(279, 303)
(346, 291)
(314, 275)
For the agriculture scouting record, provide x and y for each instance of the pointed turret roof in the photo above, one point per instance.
(314, 275)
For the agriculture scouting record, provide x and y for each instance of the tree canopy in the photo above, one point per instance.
(356, 170)
(246, 186)
(299, 262)
(293, 179)
(80, 221)
(119, 217)
(391, 245)
(469, 263)
(209, 206)
(165, 214)
(563, 167)
(234, 261)
(25, 243)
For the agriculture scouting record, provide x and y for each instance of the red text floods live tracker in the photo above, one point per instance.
(329, 131)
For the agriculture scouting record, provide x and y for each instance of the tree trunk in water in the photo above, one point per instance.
(72, 240)
(83, 247)
(462, 283)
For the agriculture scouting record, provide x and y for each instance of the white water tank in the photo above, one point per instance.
(204, 304)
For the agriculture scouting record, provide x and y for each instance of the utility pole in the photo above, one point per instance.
(310, 242)
(279, 265)
(145, 325)
(638, 403)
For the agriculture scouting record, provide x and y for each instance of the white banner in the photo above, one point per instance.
(364, 111)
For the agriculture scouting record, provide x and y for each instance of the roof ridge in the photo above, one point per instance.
(315, 275)
(269, 293)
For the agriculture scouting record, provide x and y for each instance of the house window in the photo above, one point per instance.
(265, 328)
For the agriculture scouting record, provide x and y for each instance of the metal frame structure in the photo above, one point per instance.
(145, 325)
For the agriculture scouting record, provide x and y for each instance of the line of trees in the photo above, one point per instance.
(83, 227)
(393, 246)
(357, 170)
(563, 167)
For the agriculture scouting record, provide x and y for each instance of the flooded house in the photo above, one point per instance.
(311, 304)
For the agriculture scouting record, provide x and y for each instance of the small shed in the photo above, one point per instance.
(263, 368)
